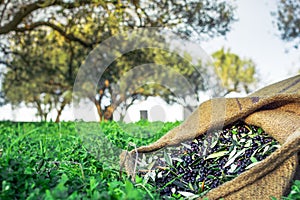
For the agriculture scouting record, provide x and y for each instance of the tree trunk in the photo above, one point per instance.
(39, 108)
(59, 113)
(122, 116)
(99, 111)
(108, 113)
(45, 116)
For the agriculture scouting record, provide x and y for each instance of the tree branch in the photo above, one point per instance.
(24, 11)
(4, 8)
(68, 36)
(18, 17)
(7, 64)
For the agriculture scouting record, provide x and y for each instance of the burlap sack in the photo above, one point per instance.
(275, 108)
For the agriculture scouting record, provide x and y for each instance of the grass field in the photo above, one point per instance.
(78, 160)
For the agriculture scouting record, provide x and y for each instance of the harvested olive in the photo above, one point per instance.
(211, 159)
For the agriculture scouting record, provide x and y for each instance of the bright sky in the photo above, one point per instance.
(253, 36)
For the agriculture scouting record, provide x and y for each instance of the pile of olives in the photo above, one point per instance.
(211, 159)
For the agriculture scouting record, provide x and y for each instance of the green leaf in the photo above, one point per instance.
(232, 153)
(138, 179)
(128, 186)
(253, 159)
(210, 177)
(64, 179)
(266, 149)
(28, 170)
(217, 154)
(252, 165)
(229, 162)
(150, 174)
(214, 143)
(234, 138)
(171, 181)
(232, 168)
(191, 186)
(186, 145)
(234, 131)
(260, 130)
(151, 165)
(248, 143)
(49, 195)
(186, 194)
(179, 184)
(168, 158)
(93, 183)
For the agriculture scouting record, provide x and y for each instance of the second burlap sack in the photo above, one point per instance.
(275, 108)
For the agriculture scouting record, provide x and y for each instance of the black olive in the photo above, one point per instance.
(195, 169)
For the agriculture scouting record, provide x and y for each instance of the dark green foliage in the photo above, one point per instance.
(50, 161)
(236, 74)
(295, 192)
(287, 19)
(140, 133)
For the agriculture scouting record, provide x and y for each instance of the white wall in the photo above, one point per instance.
(158, 110)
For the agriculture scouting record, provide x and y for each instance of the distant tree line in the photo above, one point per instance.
(43, 44)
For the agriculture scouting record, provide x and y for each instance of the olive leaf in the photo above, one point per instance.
(252, 165)
(186, 145)
(168, 158)
(230, 161)
(253, 159)
(216, 155)
(232, 168)
(186, 194)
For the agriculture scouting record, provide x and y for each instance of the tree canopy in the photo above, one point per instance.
(44, 43)
(203, 17)
(40, 74)
(236, 74)
(288, 20)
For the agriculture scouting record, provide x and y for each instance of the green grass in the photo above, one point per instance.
(75, 160)
(59, 161)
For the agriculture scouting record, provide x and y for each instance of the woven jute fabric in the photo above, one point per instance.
(275, 108)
